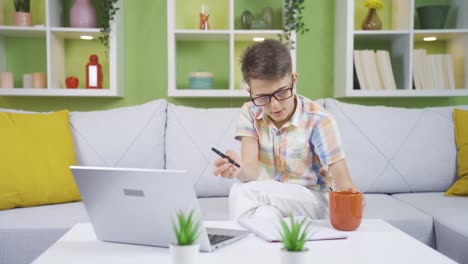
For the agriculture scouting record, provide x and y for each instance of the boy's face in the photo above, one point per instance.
(281, 108)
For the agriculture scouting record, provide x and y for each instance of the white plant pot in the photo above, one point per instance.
(184, 254)
(291, 257)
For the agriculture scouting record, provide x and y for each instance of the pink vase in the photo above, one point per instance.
(82, 14)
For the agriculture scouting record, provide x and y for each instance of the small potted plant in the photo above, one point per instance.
(294, 235)
(22, 16)
(187, 231)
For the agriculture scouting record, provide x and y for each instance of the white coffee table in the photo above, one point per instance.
(374, 242)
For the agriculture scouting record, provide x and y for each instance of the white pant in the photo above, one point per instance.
(269, 199)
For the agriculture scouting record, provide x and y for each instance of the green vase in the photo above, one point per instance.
(433, 16)
(246, 19)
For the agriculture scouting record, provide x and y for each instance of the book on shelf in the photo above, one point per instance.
(432, 71)
(356, 85)
(374, 70)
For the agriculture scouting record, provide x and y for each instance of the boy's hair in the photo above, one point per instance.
(266, 60)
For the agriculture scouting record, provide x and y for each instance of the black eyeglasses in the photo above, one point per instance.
(279, 95)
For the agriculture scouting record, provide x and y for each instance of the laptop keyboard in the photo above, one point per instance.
(216, 239)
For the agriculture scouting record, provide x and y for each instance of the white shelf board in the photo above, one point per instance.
(408, 93)
(380, 34)
(439, 34)
(208, 93)
(75, 33)
(248, 35)
(57, 92)
(14, 31)
(202, 35)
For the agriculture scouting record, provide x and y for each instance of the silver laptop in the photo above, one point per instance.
(139, 206)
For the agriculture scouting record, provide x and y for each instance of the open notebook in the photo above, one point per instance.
(269, 229)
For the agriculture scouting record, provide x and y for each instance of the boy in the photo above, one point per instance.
(290, 146)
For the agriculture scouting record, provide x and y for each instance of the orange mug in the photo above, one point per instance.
(345, 210)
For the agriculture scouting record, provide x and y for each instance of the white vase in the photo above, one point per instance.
(184, 254)
(291, 257)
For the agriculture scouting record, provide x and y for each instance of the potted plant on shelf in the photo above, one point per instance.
(293, 21)
(294, 235)
(186, 231)
(22, 16)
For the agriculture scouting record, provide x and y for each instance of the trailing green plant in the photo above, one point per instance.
(294, 235)
(293, 21)
(22, 5)
(187, 229)
(110, 9)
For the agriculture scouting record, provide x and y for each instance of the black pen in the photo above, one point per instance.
(226, 157)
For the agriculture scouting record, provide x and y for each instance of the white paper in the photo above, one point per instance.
(269, 229)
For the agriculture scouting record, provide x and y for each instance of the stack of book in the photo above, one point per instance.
(432, 71)
(373, 70)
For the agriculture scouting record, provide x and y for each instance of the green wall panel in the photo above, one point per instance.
(146, 65)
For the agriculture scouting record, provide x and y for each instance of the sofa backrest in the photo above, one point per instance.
(190, 135)
(391, 150)
(130, 137)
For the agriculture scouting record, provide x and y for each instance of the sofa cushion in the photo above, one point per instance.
(391, 150)
(122, 137)
(460, 187)
(36, 151)
(190, 134)
(402, 216)
(450, 220)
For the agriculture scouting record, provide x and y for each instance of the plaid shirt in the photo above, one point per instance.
(299, 149)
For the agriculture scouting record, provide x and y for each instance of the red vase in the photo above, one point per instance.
(82, 14)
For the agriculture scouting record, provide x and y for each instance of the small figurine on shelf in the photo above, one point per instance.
(72, 82)
(204, 16)
(93, 72)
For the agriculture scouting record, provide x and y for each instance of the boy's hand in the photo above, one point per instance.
(324, 171)
(226, 169)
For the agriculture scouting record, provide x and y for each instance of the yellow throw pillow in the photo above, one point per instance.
(36, 151)
(460, 187)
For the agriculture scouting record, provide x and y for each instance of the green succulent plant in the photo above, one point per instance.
(187, 228)
(294, 235)
(22, 5)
